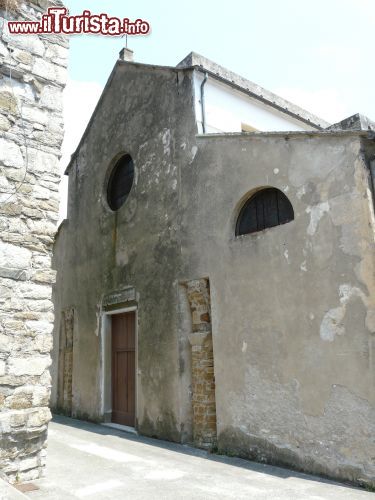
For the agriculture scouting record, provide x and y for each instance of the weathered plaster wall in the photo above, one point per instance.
(148, 114)
(32, 77)
(292, 306)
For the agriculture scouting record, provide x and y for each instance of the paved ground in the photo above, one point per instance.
(93, 461)
(7, 492)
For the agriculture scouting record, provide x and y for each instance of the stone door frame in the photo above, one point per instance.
(106, 362)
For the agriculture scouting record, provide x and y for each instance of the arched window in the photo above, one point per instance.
(120, 182)
(266, 208)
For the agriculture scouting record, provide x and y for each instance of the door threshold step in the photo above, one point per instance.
(119, 427)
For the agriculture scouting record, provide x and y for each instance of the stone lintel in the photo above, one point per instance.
(118, 297)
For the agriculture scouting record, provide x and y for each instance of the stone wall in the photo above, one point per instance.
(202, 365)
(65, 366)
(32, 77)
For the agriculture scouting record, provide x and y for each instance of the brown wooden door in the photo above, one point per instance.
(123, 369)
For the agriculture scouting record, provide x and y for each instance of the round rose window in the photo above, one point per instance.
(120, 182)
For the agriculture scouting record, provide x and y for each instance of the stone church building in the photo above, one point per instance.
(215, 273)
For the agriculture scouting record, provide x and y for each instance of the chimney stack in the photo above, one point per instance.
(126, 55)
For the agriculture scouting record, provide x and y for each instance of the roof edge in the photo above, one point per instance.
(354, 122)
(196, 60)
(292, 133)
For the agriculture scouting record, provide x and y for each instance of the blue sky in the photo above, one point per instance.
(310, 46)
(316, 53)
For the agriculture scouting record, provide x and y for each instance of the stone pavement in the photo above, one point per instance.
(7, 492)
(92, 461)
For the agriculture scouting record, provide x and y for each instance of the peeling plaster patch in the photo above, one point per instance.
(311, 316)
(122, 258)
(276, 171)
(332, 323)
(301, 192)
(370, 320)
(183, 146)
(348, 291)
(174, 184)
(167, 141)
(243, 149)
(371, 210)
(98, 319)
(316, 213)
(286, 255)
(244, 347)
(285, 189)
(303, 266)
(194, 151)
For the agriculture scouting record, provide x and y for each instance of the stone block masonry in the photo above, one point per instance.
(33, 71)
(65, 365)
(202, 364)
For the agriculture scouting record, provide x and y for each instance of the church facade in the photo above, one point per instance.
(215, 273)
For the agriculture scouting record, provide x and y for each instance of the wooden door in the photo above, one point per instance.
(123, 369)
